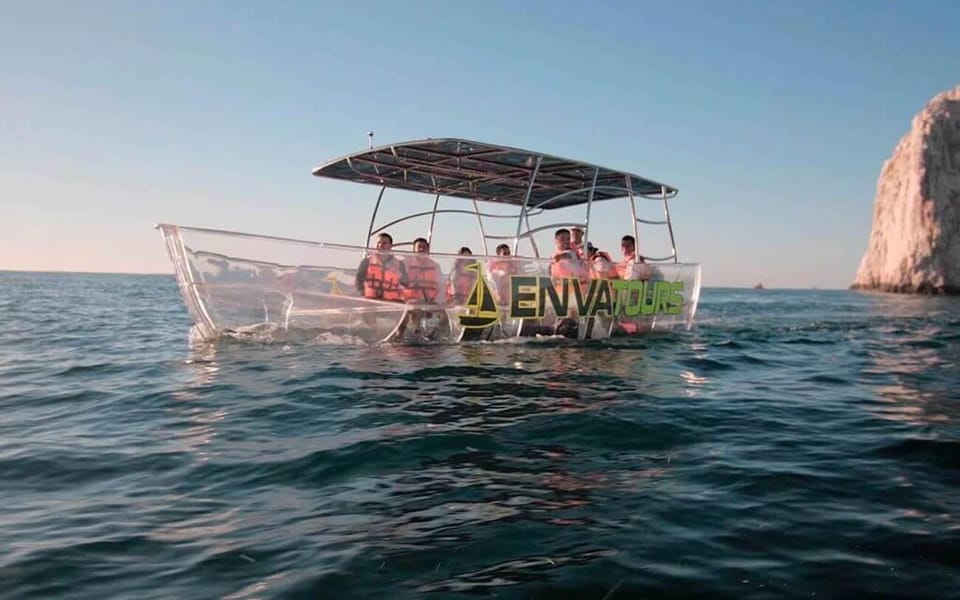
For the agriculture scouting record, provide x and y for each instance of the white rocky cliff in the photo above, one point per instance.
(915, 243)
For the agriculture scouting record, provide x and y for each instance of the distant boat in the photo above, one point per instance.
(759, 286)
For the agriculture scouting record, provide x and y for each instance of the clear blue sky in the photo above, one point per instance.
(772, 117)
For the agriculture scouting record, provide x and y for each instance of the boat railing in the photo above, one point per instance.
(252, 236)
(664, 196)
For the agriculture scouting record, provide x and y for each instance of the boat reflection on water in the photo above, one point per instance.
(391, 456)
(192, 423)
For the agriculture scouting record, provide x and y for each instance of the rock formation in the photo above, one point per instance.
(915, 243)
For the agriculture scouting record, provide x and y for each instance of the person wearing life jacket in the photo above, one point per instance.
(601, 265)
(566, 262)
(567, 265)
(423, 275)
(421, 287)
(628, 266)
(461, 280)
(576, 242)
(380, 276)
(633, 266)
(500, 270)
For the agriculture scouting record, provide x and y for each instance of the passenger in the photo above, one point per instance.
(501, 269)
(576, 242)
(632, 267)
(566, 263)
(461, 280)
(423, 274)
(627, 267)
(422, 287)
(601, 265)
(380, 275)
(503, 263)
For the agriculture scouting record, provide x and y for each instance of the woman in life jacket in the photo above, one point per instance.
(423, 275)
(380, 275)
(461, 280)
(500, 270)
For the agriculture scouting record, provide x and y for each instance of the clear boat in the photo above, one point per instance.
(245, 285)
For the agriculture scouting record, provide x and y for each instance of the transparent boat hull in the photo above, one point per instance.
(245, 285)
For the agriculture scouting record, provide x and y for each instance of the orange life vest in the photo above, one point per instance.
(570, 268)
(461, 283)
(500, 271)
(382, 282)
(424, 275)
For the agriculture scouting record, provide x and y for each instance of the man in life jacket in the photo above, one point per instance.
(576, 242)
(633, 266)
(423, 275)
(422, 285)
(500, 270)
(461, 279)
(629, 267)
(380, 276)
(566, 262)
(567, 265)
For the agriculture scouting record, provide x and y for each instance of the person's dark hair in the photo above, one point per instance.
(388, 236)
(558, 232)
(465, 250)
(628, 238)
(420, 239)
(502, 247)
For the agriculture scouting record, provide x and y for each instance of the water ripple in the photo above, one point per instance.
(793, 444)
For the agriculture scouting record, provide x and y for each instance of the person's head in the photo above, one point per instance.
(464, 259)
(562, 239)
(384, 242)
(503, 250)
(421, 245)
(628, 245)
(576, 236)
(591, 250)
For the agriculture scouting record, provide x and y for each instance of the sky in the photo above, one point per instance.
(772, 117)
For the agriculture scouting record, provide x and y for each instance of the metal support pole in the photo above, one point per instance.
(483, 234)
(526, 200)
(666, 210)
(593, 188)
(533, 242)
(633, 211)
(373, 217)
(433, 218)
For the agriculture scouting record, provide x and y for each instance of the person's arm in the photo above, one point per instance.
(361, 274)
(402, 272)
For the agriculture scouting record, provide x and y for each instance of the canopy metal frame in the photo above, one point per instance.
(482, 172)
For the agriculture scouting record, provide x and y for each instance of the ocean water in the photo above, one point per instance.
(792, 444)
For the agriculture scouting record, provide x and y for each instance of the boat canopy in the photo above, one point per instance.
(488, 172)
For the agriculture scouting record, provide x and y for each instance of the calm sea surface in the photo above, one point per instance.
(793, 444)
